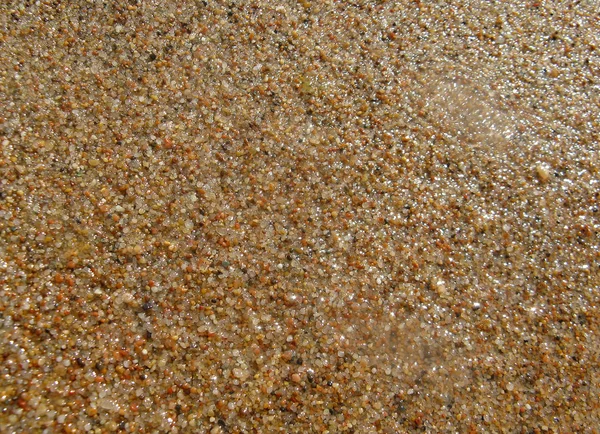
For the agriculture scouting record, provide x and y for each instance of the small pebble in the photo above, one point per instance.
(542, 172)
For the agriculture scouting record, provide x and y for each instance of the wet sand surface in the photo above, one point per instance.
(311, 216)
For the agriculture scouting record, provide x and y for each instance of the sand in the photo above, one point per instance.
(312, 216)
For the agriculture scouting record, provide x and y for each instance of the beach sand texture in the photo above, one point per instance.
(299, 216)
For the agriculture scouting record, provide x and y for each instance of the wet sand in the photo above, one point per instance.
(313, 216)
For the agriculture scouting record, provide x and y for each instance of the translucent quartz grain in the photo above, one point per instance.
(299, 216)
